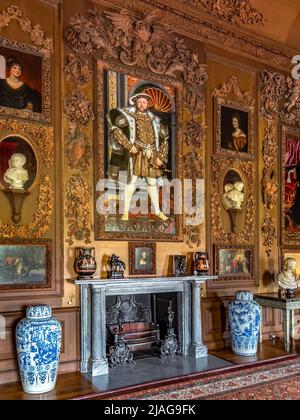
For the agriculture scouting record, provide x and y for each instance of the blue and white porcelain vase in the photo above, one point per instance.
(244, 321)
(38, 346)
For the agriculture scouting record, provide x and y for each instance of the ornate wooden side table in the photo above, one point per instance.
(288, 307)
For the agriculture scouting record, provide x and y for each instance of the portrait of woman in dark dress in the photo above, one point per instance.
(14, 93)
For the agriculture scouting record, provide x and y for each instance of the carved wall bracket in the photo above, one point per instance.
(42, 219)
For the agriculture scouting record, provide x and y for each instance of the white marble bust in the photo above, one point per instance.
(234, 196)
(288, 278)
(16, 175)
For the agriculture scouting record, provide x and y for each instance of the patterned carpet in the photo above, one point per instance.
(278, 381)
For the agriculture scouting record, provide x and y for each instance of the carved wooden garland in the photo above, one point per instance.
(273, 87)
(42, 219)
(77, 211)
(233, 11)
(270, 186)
(37, 36)
(42, 136)
(219, 168)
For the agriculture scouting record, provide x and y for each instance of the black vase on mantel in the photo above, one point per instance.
(85, 264)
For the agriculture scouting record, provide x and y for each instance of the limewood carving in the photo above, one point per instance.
(137, 42)
(77, 70)
(78, 212)
(78, 150)
(233, 11)
(203, 30)
(291, 113)
(79, 109)
(37, 36)
(273, 88)
(220, 167)
(230, 96)
(195, 134)
(41, 136)
(270, 186)
(42, 219)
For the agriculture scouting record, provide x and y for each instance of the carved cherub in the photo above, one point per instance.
(293, 95)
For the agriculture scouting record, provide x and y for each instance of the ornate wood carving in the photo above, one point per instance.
(195, 134)
(77, 210)
(41, 136)
(77, 70)
(79, 109)
(220, 167)
(193, 166)
(233, 11)
(209, 32)
(242, 101)
(291, 113)
(78, 150)
(273, 87)
(42, 219)
(137, 42)
(37, 36)
(270, 186)
(192, 235)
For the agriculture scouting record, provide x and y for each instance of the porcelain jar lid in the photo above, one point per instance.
(244, 295)
(39, 312)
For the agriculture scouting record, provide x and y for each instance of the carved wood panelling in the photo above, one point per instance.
(233, 11)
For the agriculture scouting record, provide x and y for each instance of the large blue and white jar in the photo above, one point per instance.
(38, 346)
(244, 321)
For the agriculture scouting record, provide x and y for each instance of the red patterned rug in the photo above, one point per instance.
(278, 381)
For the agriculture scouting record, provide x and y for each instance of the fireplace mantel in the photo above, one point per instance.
(93, 314)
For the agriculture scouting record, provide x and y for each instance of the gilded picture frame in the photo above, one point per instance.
(142, 258)
(26, 266)
(226, 112)
(234, 263)
(110, 228)
(40, 59)
(290, 186)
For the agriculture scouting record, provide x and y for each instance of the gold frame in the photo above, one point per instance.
(99, 150)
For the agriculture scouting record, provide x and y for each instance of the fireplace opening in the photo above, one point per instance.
(142, 319)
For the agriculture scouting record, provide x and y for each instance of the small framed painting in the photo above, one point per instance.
(234, 262)
(142, 258)
(25, 265)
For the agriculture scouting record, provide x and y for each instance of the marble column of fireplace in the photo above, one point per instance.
(93, 314)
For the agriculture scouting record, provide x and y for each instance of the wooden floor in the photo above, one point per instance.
(76, 386)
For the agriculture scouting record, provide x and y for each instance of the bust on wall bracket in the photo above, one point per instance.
(233, 197)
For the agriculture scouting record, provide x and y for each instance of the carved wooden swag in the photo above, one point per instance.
(139, 41)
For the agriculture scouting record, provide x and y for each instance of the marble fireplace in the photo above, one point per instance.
(94, 314)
